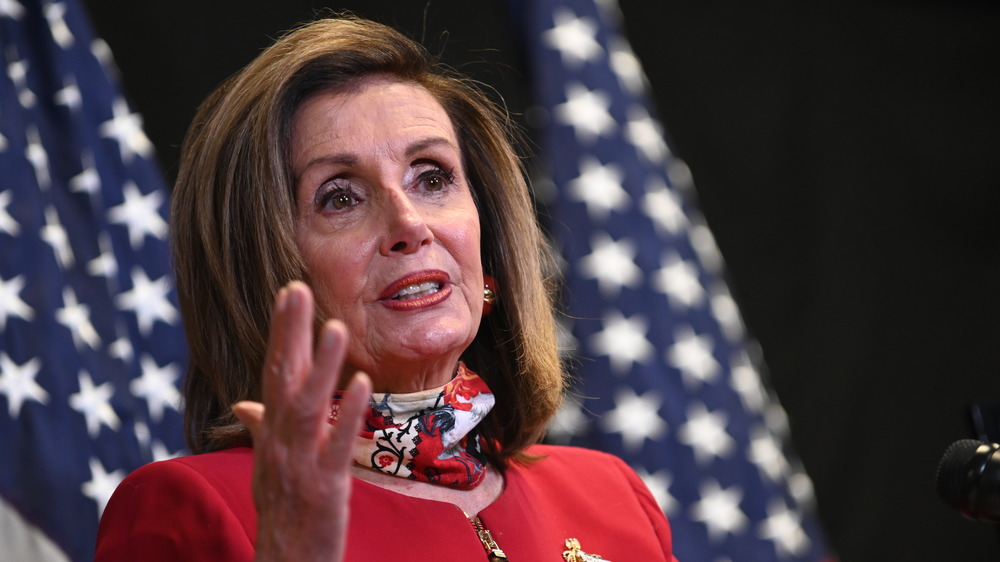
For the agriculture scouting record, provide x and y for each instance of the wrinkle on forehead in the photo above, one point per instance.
(409, 104)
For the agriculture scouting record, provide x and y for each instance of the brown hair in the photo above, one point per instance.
(234, 240)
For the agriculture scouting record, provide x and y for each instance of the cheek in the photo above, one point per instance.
(467, 242)
(330, 272)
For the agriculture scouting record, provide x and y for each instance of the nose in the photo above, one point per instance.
(406, 228)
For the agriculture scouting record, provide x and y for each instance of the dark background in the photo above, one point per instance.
(847, 157)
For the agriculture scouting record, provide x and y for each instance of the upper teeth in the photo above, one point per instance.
(417, 290)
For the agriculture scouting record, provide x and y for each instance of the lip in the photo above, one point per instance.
(385, 297)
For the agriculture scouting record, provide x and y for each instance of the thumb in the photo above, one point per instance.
(250, 414)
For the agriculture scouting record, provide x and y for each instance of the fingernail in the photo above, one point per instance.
(293, 297)
(327, 338)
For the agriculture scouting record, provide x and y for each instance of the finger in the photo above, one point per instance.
(250, 414)
(353, 409)
(289, 351)
(328, 362)
(312, 404)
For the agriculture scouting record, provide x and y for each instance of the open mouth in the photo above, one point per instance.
(417, 290)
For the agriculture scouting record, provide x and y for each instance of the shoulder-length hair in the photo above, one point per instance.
(233, 231)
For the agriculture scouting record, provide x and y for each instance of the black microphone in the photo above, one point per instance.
(968, 479)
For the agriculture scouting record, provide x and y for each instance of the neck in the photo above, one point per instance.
(406, 379)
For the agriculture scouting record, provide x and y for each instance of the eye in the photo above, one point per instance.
(436, 179)
(434, 183)
(336, 197)
(340, 200)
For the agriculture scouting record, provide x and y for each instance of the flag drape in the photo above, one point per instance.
(91, 349)
(665, 377)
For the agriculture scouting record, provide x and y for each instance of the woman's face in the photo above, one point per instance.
(388, 230)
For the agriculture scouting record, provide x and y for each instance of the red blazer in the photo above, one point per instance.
(201, 508)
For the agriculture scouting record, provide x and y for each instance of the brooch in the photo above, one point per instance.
(574, 554)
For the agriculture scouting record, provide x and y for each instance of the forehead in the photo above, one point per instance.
(375, 109)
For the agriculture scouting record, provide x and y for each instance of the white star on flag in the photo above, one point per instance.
(567, 422)
(724, 308)
(160, 451)
(94, 403)
(776, 419)
(88, 180)
(157, 385)
(149, 300)
(635, 417)
(678, 280)
(105, 264)
(745, 380)
(626, 66)
(587, 111)
(623, 341)
(140, 214)
(801, 487)
(11, 9)
(55, 235)
(646, 134)
(573, 37)
(611, 263)
(7, 222)
(54, 13)
(17, 382)
(101, 484)
(704, 244)
(75, 316)
(17, 71)
(784, 527)
(705, 432)
(121, 348)
(719, 510)
(39, 158)
(599, 187)
(69, 95)
(142, 434)
(102, 52)
(125, 128)
(659, 485)
(663, 207)
(10, 301)
(692, 355)
(766, 454)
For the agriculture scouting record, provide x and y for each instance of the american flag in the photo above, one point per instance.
(91, 349)
(666, 377)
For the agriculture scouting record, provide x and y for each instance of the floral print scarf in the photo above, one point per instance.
(429, 436)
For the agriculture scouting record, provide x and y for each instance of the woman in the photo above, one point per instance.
(345, 158)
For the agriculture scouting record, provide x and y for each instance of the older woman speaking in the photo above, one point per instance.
(375, 200)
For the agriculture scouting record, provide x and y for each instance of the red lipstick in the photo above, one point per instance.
(417, 290)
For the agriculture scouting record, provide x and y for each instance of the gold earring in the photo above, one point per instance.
(489, 294)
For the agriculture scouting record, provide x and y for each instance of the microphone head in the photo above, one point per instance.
(968, 479)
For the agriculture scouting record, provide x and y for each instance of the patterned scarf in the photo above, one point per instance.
(429, 436)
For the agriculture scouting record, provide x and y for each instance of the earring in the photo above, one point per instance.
(489, 293)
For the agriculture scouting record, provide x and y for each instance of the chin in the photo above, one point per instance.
(437, 341)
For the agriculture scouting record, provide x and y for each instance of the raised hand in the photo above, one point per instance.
(302, 464)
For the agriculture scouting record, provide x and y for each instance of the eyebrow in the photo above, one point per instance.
(426, 143)
(348, 159)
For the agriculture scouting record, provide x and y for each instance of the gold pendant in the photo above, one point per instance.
(574, 554)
